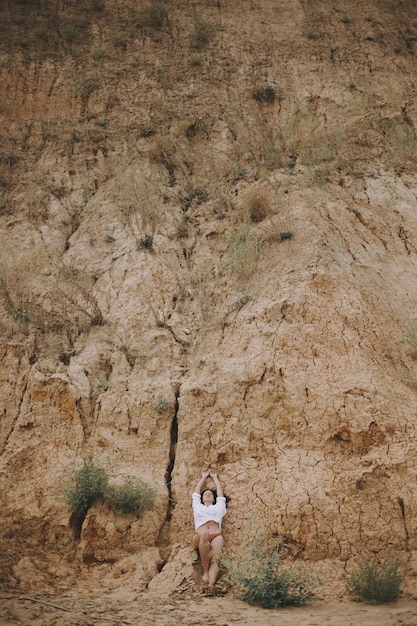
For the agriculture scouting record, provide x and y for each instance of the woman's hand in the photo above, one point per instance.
(214, 476)
(204, 476)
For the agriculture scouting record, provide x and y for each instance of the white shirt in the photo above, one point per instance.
(211, 513)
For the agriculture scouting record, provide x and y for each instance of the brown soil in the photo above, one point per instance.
(129, 608)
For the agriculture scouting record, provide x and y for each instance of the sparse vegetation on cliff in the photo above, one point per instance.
(244, 251)
(201, 33)
(265, 93)
(130, 497)
(202, 203)
(262, 577)
(83, 486)
(376, 583)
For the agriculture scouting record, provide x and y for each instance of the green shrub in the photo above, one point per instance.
(131, 497)
(262, 579)
(162, 404)
(374, 583)
(145, 243)
(83, 486)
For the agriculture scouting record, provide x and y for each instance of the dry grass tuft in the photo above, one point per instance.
(244, 251)
(257, 205)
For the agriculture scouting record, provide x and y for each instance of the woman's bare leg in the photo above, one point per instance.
(214, 563)
(201, 541)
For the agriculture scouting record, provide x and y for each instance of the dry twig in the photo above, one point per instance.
(62, 608)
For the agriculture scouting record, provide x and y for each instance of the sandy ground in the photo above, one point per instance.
(75, 609)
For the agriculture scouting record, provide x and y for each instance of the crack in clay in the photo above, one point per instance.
(402, 234)
(163, 541)
(402, 507)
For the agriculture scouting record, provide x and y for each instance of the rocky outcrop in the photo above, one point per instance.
(210, 279)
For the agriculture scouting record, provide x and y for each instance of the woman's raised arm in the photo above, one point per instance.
(201, 482)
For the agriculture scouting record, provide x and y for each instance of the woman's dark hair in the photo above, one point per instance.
(213, 491)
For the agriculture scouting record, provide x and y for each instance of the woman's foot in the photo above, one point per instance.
(205, 577)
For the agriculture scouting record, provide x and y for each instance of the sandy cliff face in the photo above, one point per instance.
(191, 275)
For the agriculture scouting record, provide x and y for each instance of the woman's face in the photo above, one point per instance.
(208, 497)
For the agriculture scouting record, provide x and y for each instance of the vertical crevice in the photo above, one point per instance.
(402, 508)
(76, 523)
(170, 468)
(163, 542)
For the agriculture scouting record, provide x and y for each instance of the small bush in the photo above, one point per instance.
(196, 59)
(202, 33)
(83, 486)
(311, 32)
(145, 243)
(238, 174)
(320, 176)
(258, 206)
(147, 130)
(264, 94)
(98, 54)
(130, 498)
(88, 86)
(196, 127)
(262, 579)
(155, 15)
(374, 583)
(162, 404)
(76, 291)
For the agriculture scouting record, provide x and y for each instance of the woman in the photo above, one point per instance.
(209, 508)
